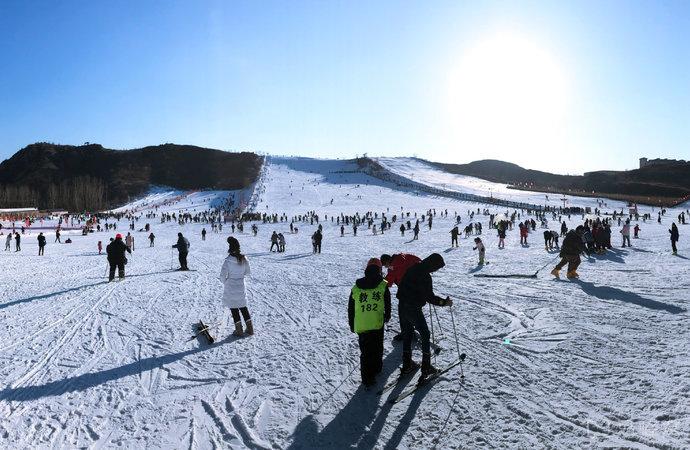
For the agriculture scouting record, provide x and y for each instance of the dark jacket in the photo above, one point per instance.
(674, 233)
(416, 287)
(116, 251)
(572, 244)
(372, 278)
(41, 240)
(182, 245)
(317, 237)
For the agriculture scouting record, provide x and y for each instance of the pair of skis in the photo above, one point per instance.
(423, 381)
(202, 330)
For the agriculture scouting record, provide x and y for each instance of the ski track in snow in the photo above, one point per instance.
(598, 362)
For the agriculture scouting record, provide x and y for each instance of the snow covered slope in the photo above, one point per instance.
(598, 362)
(421, 172)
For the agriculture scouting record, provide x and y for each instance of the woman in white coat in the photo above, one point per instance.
(235, 268)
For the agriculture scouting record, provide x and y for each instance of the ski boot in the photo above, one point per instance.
(556, 273)
(409, 365)
(573, 274)
(427, 369)
(238, 329)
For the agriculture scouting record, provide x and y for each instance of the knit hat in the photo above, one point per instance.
(375, 262)
(118, 236)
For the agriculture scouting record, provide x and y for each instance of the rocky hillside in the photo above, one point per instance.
(94, 177)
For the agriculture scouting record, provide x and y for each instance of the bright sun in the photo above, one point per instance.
(508, 100)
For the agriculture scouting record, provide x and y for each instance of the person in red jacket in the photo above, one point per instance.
(397, 265)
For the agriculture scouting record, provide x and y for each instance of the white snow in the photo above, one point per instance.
(600, 362)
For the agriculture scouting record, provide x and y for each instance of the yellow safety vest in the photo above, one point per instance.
(369, 307)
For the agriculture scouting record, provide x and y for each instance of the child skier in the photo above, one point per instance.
(368, 308)
(479, 245)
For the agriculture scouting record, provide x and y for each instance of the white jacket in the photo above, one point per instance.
(232, 276)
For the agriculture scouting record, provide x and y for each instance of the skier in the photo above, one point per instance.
(17, 242)
(182, 247)
(100, 247)
(281, 243)
(116, 257)
(274, 241)
(41, 243)
(501, 236)
(636, 230)
(674, 237)
(454, 236)
(129, 241)
(402, 230)
(625, 231)
(57, 236)
(8, 242)
(570, 253)
(152, 239)
(203, 234)
(368, 308)
(548, 240)
(416, 231)
(232, 274)
(415, 290)
(479, 245)
(342, 230)
(397, 265)
(316, 241)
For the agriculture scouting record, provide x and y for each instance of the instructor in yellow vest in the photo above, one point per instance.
(368, 309)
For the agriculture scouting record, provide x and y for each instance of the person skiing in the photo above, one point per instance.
(57, 236)
(274, 241)
(397, 265)
(182, 247)
(479, 245)
(454, 232)
(17, 242)
(414, 291)
(129, 241)
(501, 237)
(235, 269)
(548, 240)
(316, 241)
(674, 237)
(416, 231)
(368, 308)
(8, 241)
(570, 253)
(625, 231)
(203, 234)
(152, 239)
(402, 230)
(100, 247)
(41, 243)
(637, 231)
(116, 257)
(281, 243)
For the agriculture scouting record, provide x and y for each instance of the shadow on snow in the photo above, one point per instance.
(611, 293)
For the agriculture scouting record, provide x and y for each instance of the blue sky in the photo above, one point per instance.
(560, 86)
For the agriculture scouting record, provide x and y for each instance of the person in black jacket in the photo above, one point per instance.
(414, 291)
(570, 253)
(41, 243)
(674, 237)
(368, 308)
(116, 257)
(182, 247)
(316, 239)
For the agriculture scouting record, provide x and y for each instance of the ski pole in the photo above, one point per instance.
(171, 258)
(455, 332)
(438, 322)
(433, 339)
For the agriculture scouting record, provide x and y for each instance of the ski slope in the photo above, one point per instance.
(424, 173)
(598, 362)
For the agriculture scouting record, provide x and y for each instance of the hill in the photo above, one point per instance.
(91, 177)
(667, 184)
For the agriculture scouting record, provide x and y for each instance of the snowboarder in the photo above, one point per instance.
(232, 274)
(182, 247)
(674, 237)
(415, 290)
(570, 253)
(479, 245)
(41, 243)
(116, 257)
(368, 308)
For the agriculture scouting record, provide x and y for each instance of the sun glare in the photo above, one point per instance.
(508, 100)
